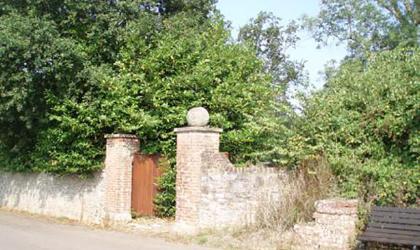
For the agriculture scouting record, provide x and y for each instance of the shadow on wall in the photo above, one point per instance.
(60, 196)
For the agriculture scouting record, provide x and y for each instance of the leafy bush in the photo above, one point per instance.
(165, 199)
(367, 122)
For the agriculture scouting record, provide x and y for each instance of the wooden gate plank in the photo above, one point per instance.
(144, 188)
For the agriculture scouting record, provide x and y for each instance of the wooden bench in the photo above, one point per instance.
(390, 225)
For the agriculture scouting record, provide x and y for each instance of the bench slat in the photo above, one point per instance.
(397, 215)
(386, 240)
(395, 220)
(392, 231)
(414, 238)
(396, 209)
(394, 226)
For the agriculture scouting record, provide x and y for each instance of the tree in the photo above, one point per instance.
(271, 41)
(187, 64)
(367, 25)
(34, 60)
(98, 24)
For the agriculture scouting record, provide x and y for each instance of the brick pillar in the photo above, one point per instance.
(117, 176)
(192, 143)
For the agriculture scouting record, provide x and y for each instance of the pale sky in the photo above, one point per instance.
(240, 11)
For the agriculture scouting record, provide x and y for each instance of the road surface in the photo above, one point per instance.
(20, 232)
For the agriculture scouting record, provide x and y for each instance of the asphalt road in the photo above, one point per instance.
(20, 232)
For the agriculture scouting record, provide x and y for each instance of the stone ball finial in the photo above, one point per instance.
(198, 117)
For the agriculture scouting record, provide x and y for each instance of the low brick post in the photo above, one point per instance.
(120, 149)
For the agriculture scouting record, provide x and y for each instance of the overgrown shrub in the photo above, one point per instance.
(367, 122)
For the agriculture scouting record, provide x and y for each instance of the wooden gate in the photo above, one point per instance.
(144, 189)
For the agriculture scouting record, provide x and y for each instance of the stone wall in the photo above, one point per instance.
(233, 196)
(69, 197)
(103, 198)
(334, 227)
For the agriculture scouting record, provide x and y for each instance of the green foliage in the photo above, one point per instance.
(367, 122)
(58, 94)
(33, 60)
(190, 65)
(165, 199)
(367, 25)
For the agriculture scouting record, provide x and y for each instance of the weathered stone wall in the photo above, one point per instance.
(233, 196)
(334, 226)
(103, 198)
(70, 197)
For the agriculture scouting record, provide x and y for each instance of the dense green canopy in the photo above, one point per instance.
(74, 71)
(367, 122)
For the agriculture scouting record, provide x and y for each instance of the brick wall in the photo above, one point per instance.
(104, 198)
